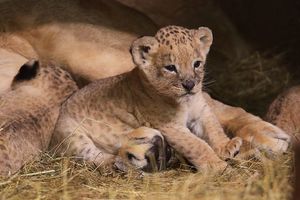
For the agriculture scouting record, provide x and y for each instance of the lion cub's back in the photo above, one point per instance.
(87, 105)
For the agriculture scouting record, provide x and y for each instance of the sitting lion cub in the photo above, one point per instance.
(104, 122)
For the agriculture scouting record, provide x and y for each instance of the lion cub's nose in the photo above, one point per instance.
(188, 85)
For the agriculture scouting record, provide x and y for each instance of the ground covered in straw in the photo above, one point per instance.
(63, 178)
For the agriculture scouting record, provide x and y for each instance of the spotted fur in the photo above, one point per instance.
(28, 113)
(89, 54)
(98, 122)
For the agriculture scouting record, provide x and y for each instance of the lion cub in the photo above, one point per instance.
(104, 122)
(28, 112)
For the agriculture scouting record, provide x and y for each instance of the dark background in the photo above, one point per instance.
(256, 49)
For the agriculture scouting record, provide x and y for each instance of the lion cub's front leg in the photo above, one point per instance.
(213, 133)
(197, 151)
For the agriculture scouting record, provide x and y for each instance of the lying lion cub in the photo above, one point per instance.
(105, 122)
(28, 112)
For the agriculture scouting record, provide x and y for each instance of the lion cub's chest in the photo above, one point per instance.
(195, 127)
(195, 112)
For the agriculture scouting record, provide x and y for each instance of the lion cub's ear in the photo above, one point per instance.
(27, 71)
(142, 50)
(204, 36)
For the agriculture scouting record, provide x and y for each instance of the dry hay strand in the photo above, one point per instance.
(252, 82)
(64, 178)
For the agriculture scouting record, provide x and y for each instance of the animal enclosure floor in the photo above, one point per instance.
(62, 178)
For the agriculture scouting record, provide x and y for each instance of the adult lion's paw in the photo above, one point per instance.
(265, 136)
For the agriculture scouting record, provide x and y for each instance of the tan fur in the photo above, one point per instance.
(14, 52)
(260, 134)
(150, 94)
(28, 113)
(91, 38)
(284, 112)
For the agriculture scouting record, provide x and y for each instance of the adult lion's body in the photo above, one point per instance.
(90, 37)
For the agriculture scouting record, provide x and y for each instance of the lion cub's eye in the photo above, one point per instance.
(197, 64)
(171, 68)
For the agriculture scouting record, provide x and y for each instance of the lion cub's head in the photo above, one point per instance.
(46, 79)
(172, 62)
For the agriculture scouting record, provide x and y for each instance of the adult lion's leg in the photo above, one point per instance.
(251, 128)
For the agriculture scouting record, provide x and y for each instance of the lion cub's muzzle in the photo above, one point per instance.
(144, 148)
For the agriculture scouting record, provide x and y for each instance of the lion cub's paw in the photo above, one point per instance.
(231, 149)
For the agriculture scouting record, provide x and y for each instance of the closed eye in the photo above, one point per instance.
(171, 68)
(130, 156)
